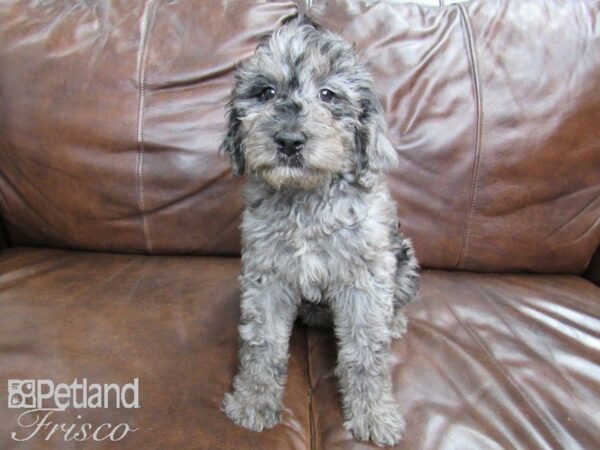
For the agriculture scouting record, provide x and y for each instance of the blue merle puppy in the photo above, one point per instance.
(320, 235)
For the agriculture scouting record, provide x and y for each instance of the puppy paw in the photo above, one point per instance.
(399, 325)
(383, 426)
(254, 414)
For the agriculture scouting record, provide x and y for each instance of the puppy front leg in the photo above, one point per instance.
(268, 313)
(360, 320)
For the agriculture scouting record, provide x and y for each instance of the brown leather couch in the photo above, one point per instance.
(121, 219)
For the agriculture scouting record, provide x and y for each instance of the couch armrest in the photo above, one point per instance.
(593, 270)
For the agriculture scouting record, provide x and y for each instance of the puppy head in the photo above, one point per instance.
(303, 110)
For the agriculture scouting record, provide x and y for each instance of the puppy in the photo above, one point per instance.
(319, 232)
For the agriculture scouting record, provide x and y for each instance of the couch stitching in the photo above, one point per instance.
(479, 111)
(311, 417)
(147, 17)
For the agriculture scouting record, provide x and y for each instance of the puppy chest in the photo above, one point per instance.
(304, 257)
(309, 242)
(311, 267)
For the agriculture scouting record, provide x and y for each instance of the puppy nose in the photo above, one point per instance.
(289, 143)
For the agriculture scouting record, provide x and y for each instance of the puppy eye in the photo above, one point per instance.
(326, 95)
(267, 94)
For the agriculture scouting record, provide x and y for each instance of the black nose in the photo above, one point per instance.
(289, 143)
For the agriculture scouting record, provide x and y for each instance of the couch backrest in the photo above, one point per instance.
(110, 119)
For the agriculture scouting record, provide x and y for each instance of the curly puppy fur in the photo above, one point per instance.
(320, 235)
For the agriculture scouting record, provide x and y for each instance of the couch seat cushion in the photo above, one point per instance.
(489, 362)
(169, 321)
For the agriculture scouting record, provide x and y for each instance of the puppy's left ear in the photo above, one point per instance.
(375, 153)
(232, 143)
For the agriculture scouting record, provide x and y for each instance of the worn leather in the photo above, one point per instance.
(490, 361)
(499, 164)
(112, 115)
(170, 321)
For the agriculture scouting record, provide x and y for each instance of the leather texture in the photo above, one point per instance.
(489, 149)
(170, 321)
(489, 361)
(112, 114)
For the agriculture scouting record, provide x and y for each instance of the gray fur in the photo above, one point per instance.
(319, 232)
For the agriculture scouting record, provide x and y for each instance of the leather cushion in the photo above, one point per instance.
(491, 107)
(496, 361)
(489, 361)
(111, 116)
(169, 321)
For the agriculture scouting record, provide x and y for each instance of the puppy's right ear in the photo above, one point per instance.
(232, 143)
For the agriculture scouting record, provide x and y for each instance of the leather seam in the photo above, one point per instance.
(478, 136)
(147, 17)
(311, 417)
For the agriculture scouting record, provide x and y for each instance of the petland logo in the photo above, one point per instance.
(43, 399)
